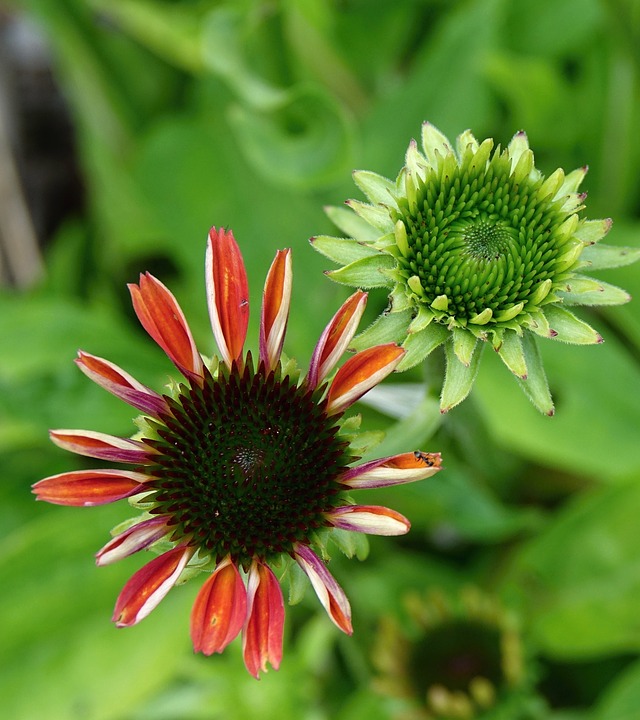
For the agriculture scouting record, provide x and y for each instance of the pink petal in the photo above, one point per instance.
(370, 519)
(336, 337)
(102, 446)
(263, 630)
(227, 294)
(161, 316)
(276, 300)
(360, 373)
(121, 384)
(84, 488)
(220, 610)
(394, 470)
(146, 588)
(330, 594)
(135, 538)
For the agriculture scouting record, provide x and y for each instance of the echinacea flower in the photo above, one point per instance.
(457, 656)
(477, 247)
(243, 466)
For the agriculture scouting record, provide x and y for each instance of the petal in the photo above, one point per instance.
(161, 316)
(394, 470)
(370, 519)
(276, 300)
(330, 594)
(146, 588)
(220, 610)
(360, 373)
(135, 538)
(84, 488)
(335, 338)
(121, 384)
(102, 446)
(262, 634)
(227, 294)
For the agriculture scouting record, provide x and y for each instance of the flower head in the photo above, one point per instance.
(244, 467)
(457, 656)
(476, 246)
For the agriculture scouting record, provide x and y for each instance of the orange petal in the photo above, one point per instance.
(220, 609)
(161, 316)
(275, 308)
(262, 634)
(102, 446)
(360, 373)
(335, 338)
(84, 488)
(227, 294)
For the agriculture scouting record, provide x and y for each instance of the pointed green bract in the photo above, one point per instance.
(536, 387)
(570, 329)
(419, 345)
(459, 378)
(366, 272)
(342, 250)
(512, 354)
(482, 247)
(385, 329)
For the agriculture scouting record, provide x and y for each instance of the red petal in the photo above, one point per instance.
(227, 294)
(275, 308)
(335, 338)
(360, 373)
(220, 610)
(121, 384)
(144, 590)
(83, 488)
(262, 634)
(102, 446)
(161, 316)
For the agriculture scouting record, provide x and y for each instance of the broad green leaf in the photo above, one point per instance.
(578, 581)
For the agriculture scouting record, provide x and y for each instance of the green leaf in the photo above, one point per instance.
(421, 344)
(621, 698)
(582, 577)
(351, 224)
(512, 354)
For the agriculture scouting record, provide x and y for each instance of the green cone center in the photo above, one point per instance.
(247, 464)
(481, 239)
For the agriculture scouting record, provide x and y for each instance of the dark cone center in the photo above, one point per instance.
(248, 464)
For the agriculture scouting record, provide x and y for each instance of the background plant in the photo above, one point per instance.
(252, 114)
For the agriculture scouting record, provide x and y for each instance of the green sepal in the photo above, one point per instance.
(386, 328)
(512, 354)
(535, 387)
(298, 582)
(464, 345)
(375, 215)
(459, 378)
(568, 328)
(572, 182)
(434, 144)
(590, 231)
(421, 320)
(539, 324)
(587, 291)
(601, 257)
(350, 424)
(350, 223)
(366, 272)
(378, 189)
(363, 442)
(350, 543)
(342, 250)
(418, 345)
(398, 299)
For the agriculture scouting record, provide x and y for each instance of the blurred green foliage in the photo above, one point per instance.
(251, 114)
